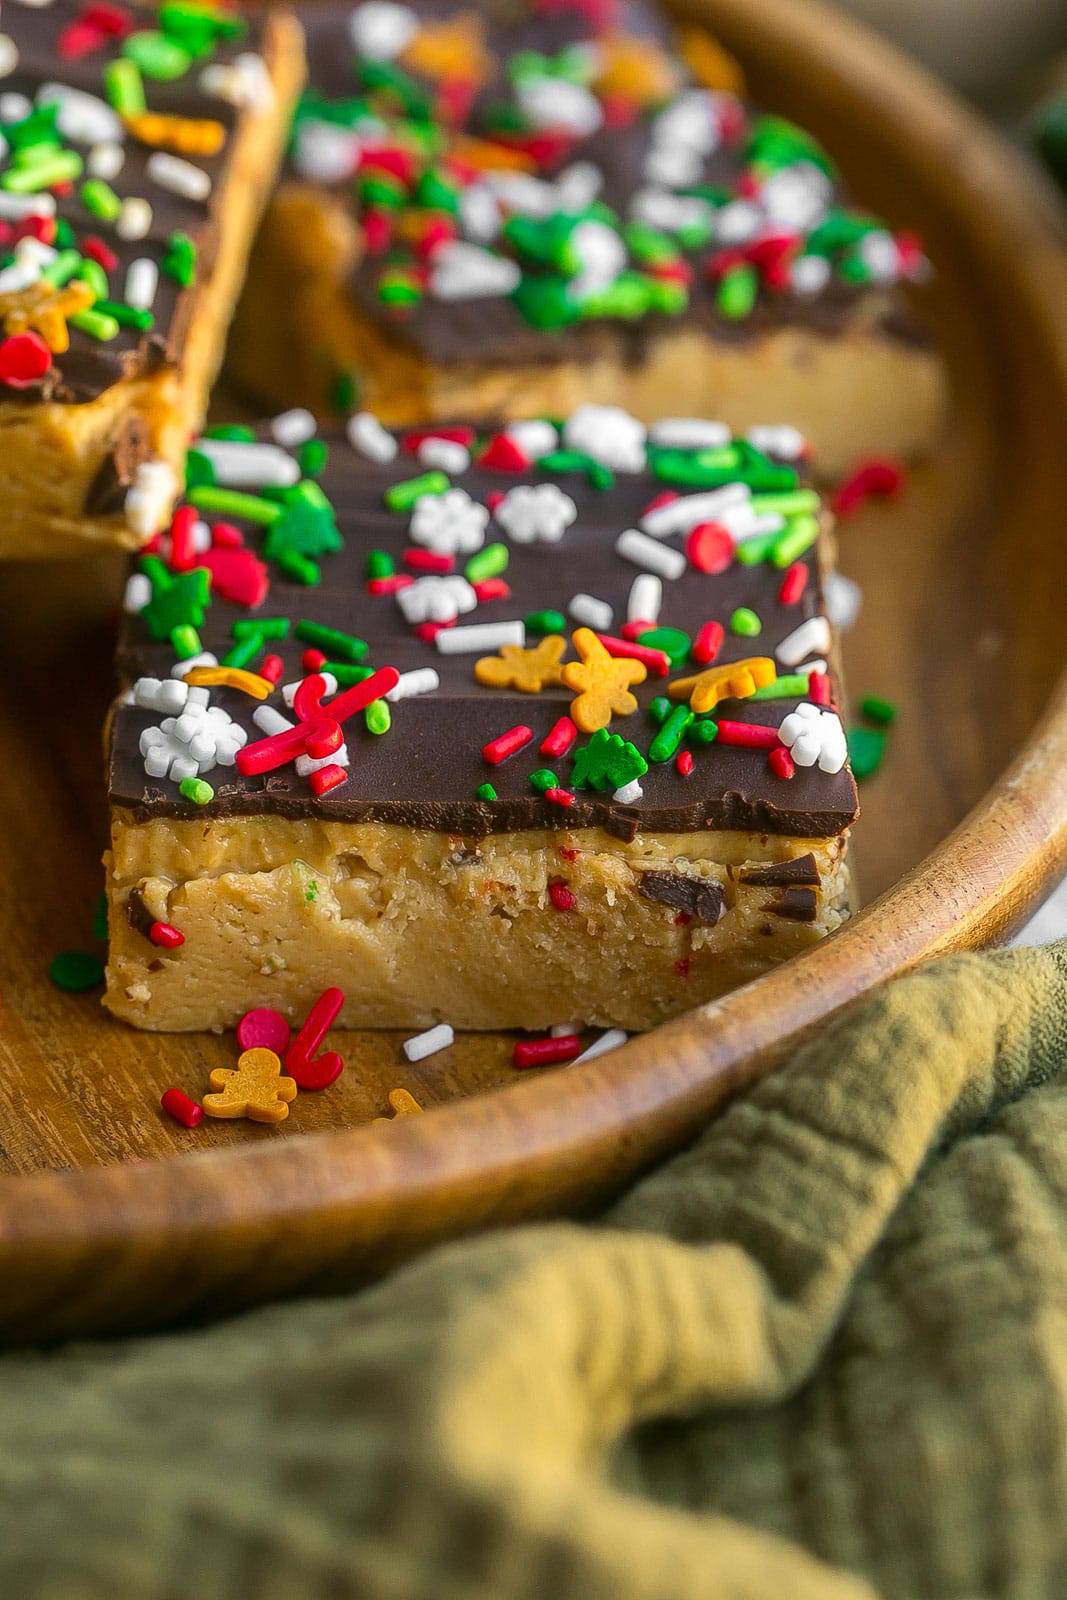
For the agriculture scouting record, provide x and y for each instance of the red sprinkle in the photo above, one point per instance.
(98, 251)
(561, 897)
(683, 919)
(428, 631)
(224, 536)
(321, 1072)
(747, 735)
(417, 437)
(819, 688)
(428, 561)
(708, 643)
(502, 454)
(182, 526)
(508, 744)
(685, 763)
(360, 695)
(24, 359)
(271, 668)
(263, 1029)
(165, 936)
(879, 475)
(559, 797)
(313, 660)
(632, 631)
(665, 498)
(781, 762)
(323, 779)
(546, 1052)
(236, 575)
(682, 968)
(658, 662)
(793, 584)
(491, 589)
(560, 738)
(315, 739)
(179, 1106)
(399, 580)
(377, 229)
(709, 547)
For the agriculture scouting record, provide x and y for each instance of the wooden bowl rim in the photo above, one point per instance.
(385, 1191)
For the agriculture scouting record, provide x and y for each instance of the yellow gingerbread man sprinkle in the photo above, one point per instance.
(403, 1104)
(43, 309)
(602, 681)
(730, 680)
(255, 1088)
(527, 670)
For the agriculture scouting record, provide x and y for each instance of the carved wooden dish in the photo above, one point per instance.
(112, 1216)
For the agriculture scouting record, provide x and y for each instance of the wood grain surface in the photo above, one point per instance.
(112, 1216)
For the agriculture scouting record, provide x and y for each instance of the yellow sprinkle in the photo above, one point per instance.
(709, 63)
(403, 1104)
(730, 680)
(189, 136)
(230, 678)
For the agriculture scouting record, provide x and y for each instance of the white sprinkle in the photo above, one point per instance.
(689, 433)
(81, 117)
(204, 659)
(436, 599)
(239, 465)
(603, 256)
(813, 735)
(556, 103)
(142, 281)
(563, 1030)
(628, 793)
(843, 600)
(178, 176)
(379, 30)
(37, 251)
(779, 439)
(578, 186)
(137, 594)
(22, 272)
(289, 689)
(649, 554)
(105, 161)
(809, 275)
(366, 434)
(737, 222)
(815, 664)
(14, 107)
(201, 539)
(594, 613)
(14, 207)
(9, 55)
(744, 522)
(796, 197)
(611, 1040)
(479, 636)
(135, 219)
(671, 212)
(306, 765)
(269, 721)
(646, 598)
(464, 271)
(480, 213)
(421, 680)
(448, 454)
(150, 497)
(811, 635)
(608, 434)
(428, 1043)
(293, 428)
(326, 154)
(679, 516)
(534, 438)
(167, 695)
(246, 83)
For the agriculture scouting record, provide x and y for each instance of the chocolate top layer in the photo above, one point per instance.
(57, 46)
(752, 256)
(426, 770)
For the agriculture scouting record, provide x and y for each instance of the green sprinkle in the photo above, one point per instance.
(800, 535)
(746, 623)
(124, 87)
(608, 761)
(178, 600)
(244, 651)
(543, 779)
(197, 790)
(231, 432)
(125, 316)
(345, 392)
(784, 688)
(198, 469)
(185, 641)
(402, 496)
(670, 736)
(158, 57)
(62, 166)
(545, 622)
(92, 273)
(347, 674)
(485, 791)
(675, 644)
(332, 641)
(737, 292)
(600, 477)
(875, 709)
(380, 564)
(179, 259)
(298, 568)
(378, 717)
(703, 731)
(232, 503)
(313, 457)
(866, 747)
(76, 971)
(95, 324)
(660, 708)
(488, 563)
(261, 627)
(100, 199)
(545, 302)
(790, 503)
(100, 917)
(311, 890)
(750, 552)
(62, 269)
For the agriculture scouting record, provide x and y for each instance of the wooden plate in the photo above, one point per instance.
(110, 1216)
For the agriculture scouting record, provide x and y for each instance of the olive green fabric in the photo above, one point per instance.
(820, 1356)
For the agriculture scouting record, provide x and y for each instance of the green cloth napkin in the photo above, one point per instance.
(820, 1356)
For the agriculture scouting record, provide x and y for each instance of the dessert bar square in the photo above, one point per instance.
(513, 729)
